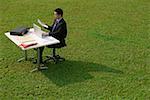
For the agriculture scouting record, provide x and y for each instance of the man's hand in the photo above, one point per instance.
(45, 26)
(45, 34)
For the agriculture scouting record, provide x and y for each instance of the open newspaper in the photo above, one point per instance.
(41, 23)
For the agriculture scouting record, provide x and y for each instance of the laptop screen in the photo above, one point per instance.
(36, 28)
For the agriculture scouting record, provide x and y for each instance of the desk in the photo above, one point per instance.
(31, 36)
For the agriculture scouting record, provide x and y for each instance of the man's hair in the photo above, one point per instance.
(59, 11)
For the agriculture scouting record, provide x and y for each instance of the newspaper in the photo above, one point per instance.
(42, 24)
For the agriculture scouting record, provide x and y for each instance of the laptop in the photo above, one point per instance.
(37, 30)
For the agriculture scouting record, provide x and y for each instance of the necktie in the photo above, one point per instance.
(54, 26)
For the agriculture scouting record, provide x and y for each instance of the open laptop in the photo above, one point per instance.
(37, 30)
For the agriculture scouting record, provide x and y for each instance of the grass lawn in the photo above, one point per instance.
(107, 54)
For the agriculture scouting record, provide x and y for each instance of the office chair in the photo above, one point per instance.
(54, 57)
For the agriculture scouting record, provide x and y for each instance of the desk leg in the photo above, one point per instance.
(38, 57)
(38, 62)
(23, 58)
(25, 53)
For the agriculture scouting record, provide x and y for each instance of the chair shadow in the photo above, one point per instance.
(70, 72)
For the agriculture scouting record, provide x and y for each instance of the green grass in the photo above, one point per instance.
(107, 57)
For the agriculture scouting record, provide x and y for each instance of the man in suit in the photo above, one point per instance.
(58, 30)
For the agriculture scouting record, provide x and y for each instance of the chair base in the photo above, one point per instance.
(39, 69)
(56, 59)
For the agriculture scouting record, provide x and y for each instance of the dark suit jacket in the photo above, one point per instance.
(60, 33)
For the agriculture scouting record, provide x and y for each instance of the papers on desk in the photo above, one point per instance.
(43, 40)
(28, 44)
(25, 38)
(42, 24)
(25, 41)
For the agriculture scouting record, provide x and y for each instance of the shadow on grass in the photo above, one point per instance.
(70, 72)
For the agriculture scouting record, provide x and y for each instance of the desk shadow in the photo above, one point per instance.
(70, 72)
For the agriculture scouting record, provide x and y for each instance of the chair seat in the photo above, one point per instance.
(58, 45)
